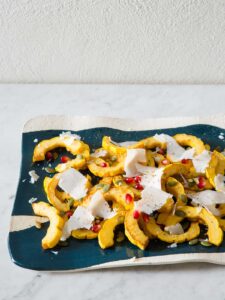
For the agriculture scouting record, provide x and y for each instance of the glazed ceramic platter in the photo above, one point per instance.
(24, 238)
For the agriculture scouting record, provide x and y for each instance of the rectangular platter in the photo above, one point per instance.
(24, 239)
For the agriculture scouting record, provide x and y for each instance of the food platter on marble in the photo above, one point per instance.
(114, 202)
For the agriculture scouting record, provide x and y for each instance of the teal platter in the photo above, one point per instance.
(25, 245)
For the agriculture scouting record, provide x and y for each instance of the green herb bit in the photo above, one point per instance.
(70, 201)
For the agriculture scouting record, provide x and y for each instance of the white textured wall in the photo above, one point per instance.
(112, 41)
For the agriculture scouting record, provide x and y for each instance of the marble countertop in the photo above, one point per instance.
(18, 103)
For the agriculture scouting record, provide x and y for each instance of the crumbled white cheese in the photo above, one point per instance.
(151, 200)
(221, 136)
(174, 151)
(201, 161)
(133, 157)
(208, 199)
(174, 245)
(33, 176)
(73, 183)
(23, 180)
(35, 140)
(174, 229)
(100, 153)
(55, 252)
(219, 181)
(69, 137)
(152, 176)
(31, 200)
(99, 207)
(82, 218)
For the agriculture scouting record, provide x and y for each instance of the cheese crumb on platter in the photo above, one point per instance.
(33, 176)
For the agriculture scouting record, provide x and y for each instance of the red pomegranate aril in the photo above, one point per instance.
(165, 162)
(128, 198)
(49, 155)
(104, 164)
(129, 180)
(64, 159)
(145, 217)
(139, 187)
(137, 179)
(69, 213)
(136, 214)
(201, 182)
(161, 151)
(96, 227)
(185, 161)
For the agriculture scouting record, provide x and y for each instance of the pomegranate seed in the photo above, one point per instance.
(103, 164)
(64, 159)
(137, 179)
(49, 156)
(136, 214)
(201, 182)
(129, 180)
(145, 217)
(185, 161)
(69, 213)
(96, 227)
(139, 187)
(161, 151)
(128, 198)
(165, 162)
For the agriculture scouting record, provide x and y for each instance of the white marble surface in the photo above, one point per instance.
(18, 103)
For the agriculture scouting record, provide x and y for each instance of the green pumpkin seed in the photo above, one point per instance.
(70, 201)
(193, 242)
(180, 213)
(62, 213)
(80, 156)
(183, 198)
(172, 183)
(100, 185)
(50, 170)
(119, 182)
(106, 188)
(114, 158)
(206, 244)
(191, 183)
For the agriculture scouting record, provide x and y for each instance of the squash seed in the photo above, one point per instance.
(191, 183)
(206, 243)
(79, 156)
(119, 182)
(172, 183)
(183, 198)
(193, 242)
(180, 213)
(50, 170)
(70, 201)
(114, 158)
(106, 188)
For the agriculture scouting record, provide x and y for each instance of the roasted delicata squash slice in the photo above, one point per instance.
(148, 143)
(52, 195)
(133, 232)
(84, 234)
(215, 233)
(216, 166)
(79, 162)
(167, 207)
(101, 168)
(155, 230)
(62, 196)
(119, 194)
(44, 146)
(174, 187)
(187, 140)
(172, 170)
(54, 231)
(111, 147)
(106, 234)
(168, 219)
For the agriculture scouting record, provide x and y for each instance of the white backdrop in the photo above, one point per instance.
(142, 41)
